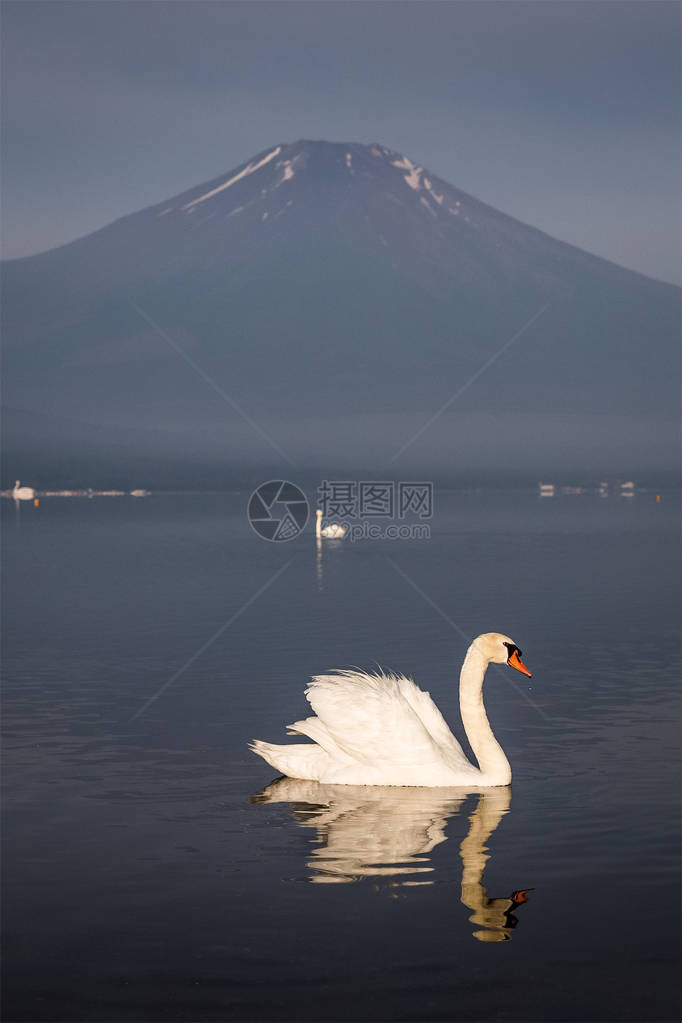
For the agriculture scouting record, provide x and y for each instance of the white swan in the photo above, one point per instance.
(384, 730)
(22, 493)
(331, 532)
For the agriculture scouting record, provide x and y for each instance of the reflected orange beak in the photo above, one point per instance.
(517, 663)
(518, 898)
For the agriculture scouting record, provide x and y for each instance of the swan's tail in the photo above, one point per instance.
(305, 760)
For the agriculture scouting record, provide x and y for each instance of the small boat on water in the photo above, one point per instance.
(546, 489)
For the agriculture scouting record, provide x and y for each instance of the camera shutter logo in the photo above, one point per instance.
(278, 510)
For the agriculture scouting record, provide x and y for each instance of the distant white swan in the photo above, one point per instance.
(22, 493)
(331, 532)
(384, 730)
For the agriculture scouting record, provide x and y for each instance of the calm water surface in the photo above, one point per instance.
(155, 869)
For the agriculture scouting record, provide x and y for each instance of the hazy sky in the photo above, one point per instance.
(564, 114)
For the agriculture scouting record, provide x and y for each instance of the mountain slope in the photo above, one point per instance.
(339, 294)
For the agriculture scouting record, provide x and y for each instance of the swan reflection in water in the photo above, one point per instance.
(376, 831)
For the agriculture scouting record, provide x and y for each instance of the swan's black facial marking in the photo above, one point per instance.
(511, 647)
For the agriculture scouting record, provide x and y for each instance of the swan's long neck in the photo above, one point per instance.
(487, 750)
(318, 526)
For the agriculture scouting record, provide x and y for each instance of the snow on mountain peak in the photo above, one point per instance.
(311, 164)
(413, 172)
(249, 169)
(288, 172)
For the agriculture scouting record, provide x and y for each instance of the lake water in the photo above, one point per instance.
(152, 872)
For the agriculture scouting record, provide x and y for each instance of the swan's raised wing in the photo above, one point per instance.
(431, 718)
(384, 720)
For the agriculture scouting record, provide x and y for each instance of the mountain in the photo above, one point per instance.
(325, 300)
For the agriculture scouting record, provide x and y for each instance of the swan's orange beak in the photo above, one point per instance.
(517, 663)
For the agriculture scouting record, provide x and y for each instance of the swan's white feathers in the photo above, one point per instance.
(381, 719)
(334, 531)
(304, 760)
(433, 720)
(316, 730)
